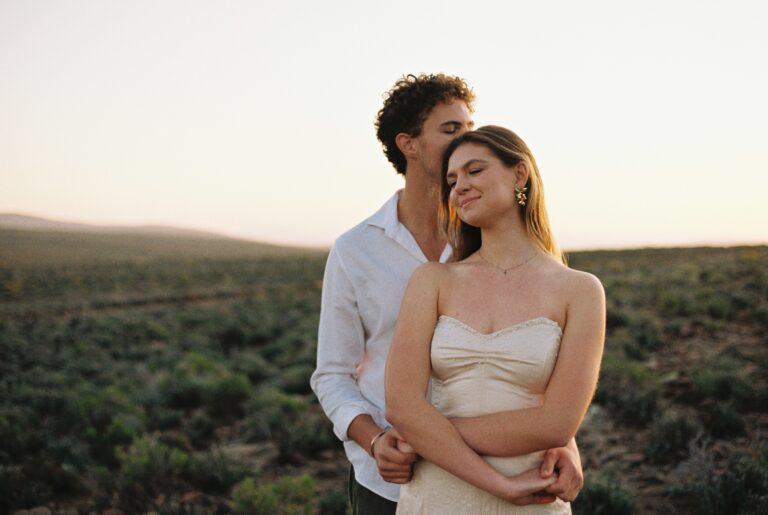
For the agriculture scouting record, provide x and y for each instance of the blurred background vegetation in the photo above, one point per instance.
(170, 373)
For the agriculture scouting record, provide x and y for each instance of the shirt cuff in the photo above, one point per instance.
(344, 417)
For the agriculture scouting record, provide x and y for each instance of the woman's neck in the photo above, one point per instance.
(507, 243)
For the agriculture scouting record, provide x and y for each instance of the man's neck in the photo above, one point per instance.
(417, 210)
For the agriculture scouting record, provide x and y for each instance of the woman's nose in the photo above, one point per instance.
(461, 184)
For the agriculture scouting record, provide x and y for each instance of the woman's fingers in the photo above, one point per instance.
(548, 463)
(530, 482)
(537, 498)
(405, 447)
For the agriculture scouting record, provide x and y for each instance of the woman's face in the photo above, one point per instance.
(482, 187)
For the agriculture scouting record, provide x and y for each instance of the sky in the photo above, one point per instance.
(255, 119)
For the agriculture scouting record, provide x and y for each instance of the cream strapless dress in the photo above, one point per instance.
(475, 374)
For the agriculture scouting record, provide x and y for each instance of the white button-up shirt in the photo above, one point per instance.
(365, 277)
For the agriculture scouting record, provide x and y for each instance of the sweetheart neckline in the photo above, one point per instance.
(525, 323)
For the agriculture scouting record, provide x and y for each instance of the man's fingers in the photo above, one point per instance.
(397, 478)
(393, 468)
(395, 456)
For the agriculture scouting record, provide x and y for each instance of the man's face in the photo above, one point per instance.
(445, 122)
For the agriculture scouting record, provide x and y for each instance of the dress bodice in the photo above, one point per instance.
(478, 373)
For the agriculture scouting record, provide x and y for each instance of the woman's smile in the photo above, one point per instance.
(467, 202)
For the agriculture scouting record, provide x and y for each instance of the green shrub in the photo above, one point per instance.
(198, 381)
(669, 437)
(252, 365)
(163, 417)
(760, 315)
(740, 488)
(333, 502)
(223, 396)
(675, 304)
(179, 390)
(200, 429)
(646, 331)
(147, 469)
(628, 390)
(105, 417)
(286, 496)
(231, 338)
(722, 420)
(296, 426)
(296, 379)
(723, 378)
(215, 471)
(604, 494)
(615, 316)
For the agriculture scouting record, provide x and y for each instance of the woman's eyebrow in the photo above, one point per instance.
(452, 173)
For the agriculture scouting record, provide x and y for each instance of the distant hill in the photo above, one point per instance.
(36, 223)
(29, 240)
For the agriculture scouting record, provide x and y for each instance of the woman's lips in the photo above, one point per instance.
(468, 202)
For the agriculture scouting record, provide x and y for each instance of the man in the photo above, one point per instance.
(366, 273)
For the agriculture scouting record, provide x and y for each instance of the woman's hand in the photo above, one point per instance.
(567, 463)
(528, 488)
(402, 445)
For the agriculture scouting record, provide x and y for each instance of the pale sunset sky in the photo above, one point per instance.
(255, 119)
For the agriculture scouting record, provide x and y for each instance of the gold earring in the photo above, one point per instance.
(520, 195)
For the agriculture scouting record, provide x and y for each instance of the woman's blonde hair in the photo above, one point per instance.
(511, 150)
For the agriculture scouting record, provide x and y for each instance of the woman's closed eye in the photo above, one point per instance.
(471, 172)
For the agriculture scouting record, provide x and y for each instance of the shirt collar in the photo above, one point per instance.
(386, 218)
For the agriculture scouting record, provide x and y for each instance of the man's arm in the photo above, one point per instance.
(340, 348)
(568, 394)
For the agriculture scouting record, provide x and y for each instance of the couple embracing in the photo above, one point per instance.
(457, 352)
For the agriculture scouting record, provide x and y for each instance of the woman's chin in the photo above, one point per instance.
(472, 220)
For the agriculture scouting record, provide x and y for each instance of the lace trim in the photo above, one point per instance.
(520, 325)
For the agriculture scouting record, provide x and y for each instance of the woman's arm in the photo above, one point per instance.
(568, 394)
(406, 379)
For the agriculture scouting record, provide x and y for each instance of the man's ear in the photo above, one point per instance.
(407, 145)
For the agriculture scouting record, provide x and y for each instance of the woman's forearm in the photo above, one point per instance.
(435, 439)
(513, 432)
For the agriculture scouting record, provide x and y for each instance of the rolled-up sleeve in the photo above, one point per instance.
(340, 347)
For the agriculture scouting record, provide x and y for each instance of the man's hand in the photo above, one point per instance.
(567, 462)
(394, 465)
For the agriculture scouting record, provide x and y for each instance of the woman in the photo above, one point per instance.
(511, 336)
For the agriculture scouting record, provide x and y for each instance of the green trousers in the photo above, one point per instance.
(365, 502)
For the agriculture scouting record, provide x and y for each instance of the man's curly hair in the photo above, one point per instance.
(408, 104)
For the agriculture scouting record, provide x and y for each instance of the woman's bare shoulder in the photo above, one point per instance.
(571, 282)
(430, 273)
(581, 286)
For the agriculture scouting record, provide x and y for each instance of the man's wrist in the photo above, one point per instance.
(362, 429)
(373, 441)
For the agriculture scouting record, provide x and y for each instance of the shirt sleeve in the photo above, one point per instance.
(340, 347)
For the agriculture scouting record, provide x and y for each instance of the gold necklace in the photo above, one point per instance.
(505, 270)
